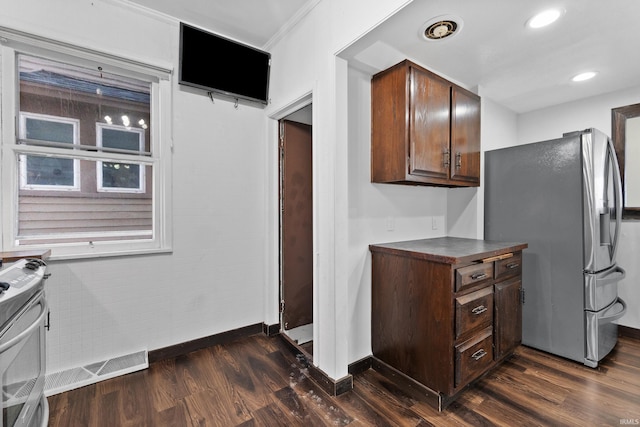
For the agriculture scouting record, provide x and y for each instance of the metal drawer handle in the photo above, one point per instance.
(479, 354)
(458, 160)
(478, 276)
(445, 158)
(479, 309)
(513, 265)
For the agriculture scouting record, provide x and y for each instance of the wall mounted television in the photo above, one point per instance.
(216, 64)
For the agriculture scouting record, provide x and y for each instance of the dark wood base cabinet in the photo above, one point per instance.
(444, 311)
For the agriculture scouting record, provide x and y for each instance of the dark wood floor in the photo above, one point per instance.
(257, 381)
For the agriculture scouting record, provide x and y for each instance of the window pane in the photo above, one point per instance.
(86, 107)
(49, 171)
(122, 139)
(45, 130)
(76, 216)
(120, 175)
(40, 172)
(88, 95)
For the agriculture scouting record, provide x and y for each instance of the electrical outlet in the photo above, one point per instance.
(434, 223)
(391, 223)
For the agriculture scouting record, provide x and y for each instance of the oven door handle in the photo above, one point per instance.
(35, 325)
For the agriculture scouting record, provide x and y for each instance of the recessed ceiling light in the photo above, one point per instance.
(441, 27)
(544, 18)
(584, 76)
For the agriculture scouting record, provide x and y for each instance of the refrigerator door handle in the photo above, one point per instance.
(614, 276)
(601, 289)
(605, 232)
(601, 333)
(617, 311)
(617, 188)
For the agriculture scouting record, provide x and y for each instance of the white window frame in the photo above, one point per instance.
(23, 158)
(160, 157)
(99, 173)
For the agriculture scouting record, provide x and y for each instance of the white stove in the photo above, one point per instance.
(23, 313)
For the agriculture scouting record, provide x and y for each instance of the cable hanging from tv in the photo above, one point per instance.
(235, 104)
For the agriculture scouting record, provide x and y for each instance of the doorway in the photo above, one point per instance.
(296, 228)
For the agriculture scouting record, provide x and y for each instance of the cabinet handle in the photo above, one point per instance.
(479, 309)
(512, 265)
(445, 158)
(458, 160)
(478, 276)
(479, 354)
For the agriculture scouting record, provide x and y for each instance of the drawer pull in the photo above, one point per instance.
(512, 265)
(479, 354)
(479, 309)
(478, 276)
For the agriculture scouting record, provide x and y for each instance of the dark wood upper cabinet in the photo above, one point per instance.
(429, 121)
(465, 136)
(425, 129)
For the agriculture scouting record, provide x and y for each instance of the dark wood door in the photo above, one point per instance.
(296, 224)
(429, 125)
(465, 136)
(508, 316)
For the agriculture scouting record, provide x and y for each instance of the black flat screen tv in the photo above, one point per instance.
(217, 64)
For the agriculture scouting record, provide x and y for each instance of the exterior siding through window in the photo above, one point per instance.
(87, 212)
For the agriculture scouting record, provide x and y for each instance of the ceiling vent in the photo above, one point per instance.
(441, 27)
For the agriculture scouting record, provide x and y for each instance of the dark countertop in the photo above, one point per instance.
(32, 253)
(448, 250)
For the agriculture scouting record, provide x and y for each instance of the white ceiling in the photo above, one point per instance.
(522, 69)
(252, 22)
(515, 66)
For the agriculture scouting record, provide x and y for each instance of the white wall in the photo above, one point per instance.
(465, 206)
(304, 61)
(214, 279)
(378, 213)
(594, 112)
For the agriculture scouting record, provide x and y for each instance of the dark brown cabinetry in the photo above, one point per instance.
(508, 316)
(445, 310)
(424, 129)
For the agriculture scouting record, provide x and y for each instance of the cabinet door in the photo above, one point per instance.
(429, 142)
(465, 136)
(508, 316)
(389, 124)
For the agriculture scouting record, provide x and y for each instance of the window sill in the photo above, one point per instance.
(72, 256)
(69, 254)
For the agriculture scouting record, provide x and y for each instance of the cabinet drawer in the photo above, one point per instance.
(473, 274)
(474, 311)
(473, 357)
(507, 267)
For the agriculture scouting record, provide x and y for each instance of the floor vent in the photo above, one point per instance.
(58, 382)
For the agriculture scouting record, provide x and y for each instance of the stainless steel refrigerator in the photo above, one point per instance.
(562, 197)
